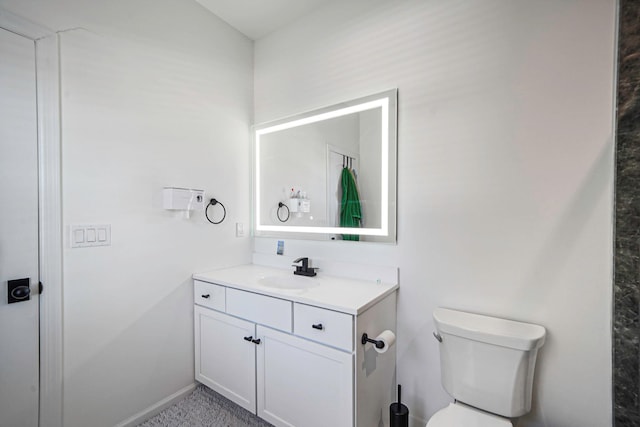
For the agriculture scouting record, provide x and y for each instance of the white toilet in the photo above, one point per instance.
(487, 366)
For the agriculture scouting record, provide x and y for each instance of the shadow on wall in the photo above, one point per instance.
(567, 240)
(566, 236)
(118, 370)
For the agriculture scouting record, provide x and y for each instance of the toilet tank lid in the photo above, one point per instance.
(487, 329)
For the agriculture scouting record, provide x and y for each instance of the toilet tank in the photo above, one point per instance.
(487, 362)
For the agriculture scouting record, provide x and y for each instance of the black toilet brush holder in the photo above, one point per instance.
(399, 413)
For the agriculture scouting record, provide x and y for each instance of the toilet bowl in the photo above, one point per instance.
(487, 366)
(460, 415)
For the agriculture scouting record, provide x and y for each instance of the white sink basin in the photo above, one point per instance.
(292, 282)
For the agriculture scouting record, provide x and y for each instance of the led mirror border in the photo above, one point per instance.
(383, 104)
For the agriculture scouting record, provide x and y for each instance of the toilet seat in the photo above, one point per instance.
(459, 415)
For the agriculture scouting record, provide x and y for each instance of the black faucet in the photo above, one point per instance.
(304, 269)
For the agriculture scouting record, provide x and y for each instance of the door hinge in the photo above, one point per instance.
(40, 287)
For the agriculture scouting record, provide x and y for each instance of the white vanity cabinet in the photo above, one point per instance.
(293, 363)
(225, 356)
(302, 383)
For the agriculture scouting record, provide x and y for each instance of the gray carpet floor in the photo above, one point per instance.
(205, 408)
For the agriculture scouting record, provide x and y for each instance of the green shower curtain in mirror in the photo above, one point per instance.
(350, 212)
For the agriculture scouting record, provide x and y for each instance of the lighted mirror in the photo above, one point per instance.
(329, 174)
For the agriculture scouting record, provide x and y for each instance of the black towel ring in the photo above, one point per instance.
(282, 205)
(214, 202)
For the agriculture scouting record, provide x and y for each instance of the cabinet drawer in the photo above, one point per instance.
(209, 295)
(325, 326)
(261, 309)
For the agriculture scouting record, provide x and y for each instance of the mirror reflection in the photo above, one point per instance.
(329, 173)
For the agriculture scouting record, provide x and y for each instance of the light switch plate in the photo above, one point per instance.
(84, 236)
(239, 229)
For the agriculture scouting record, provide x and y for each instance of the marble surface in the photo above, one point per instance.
(334, 293)
(626, 328)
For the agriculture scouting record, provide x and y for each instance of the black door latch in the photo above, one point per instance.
(18, 290)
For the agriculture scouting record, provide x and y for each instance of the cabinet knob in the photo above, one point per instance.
(206, 296)
(256, 341)
(249, 338)
(318, 326)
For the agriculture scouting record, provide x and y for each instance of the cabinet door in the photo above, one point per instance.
(225, 356)
(301, 383)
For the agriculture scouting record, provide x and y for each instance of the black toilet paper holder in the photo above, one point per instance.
(365, 339)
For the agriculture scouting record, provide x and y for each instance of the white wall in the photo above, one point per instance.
(154, 93)
(505, 173)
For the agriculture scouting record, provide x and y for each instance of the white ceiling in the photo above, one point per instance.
(257, 18)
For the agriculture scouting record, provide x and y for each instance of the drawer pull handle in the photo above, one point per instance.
(249, 338)
(256, 341)
(318, 326)
(206, 296)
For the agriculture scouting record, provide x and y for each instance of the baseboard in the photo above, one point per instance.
(416, 422)
(154, 409)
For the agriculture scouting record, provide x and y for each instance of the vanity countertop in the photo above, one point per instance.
(334, 293)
